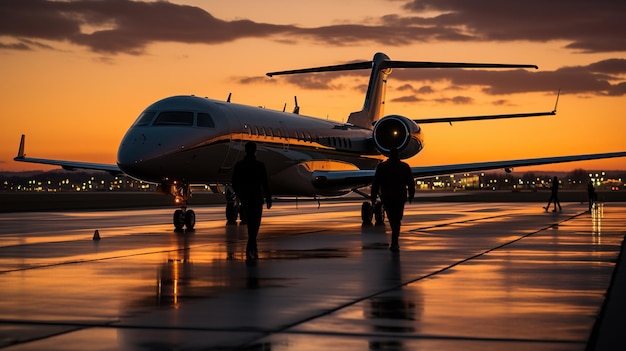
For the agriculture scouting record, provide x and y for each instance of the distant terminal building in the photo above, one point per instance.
(76, 181)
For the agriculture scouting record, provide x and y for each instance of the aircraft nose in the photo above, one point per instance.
(133, 151)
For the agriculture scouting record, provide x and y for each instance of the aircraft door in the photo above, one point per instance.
(229, 119)
(285, 140)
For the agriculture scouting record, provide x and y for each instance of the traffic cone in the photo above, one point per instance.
(96, 235)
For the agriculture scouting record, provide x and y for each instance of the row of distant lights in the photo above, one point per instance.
(597, 179)
(38, 186)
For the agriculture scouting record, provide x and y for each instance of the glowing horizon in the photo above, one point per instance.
(74, 96)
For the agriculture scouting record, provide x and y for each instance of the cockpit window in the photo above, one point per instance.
(145, 118)
(174, 118)
(205, 120)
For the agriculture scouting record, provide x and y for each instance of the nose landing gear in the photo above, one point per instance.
(183, 218)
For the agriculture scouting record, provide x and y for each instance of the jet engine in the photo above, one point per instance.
(400, 132)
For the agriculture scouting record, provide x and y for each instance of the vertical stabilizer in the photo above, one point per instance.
(373, 107)
(374, 104)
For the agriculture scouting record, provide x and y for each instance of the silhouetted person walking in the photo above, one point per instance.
(394, 179)
(251, 185)
(591, 193)
(554, 195)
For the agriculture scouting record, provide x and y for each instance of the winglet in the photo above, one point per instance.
(20, 152)
(557, 100)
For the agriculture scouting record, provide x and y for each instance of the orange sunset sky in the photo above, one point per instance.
(76, 74)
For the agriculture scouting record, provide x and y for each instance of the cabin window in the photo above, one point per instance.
(205, 120)
(174, 118)
(145, 118)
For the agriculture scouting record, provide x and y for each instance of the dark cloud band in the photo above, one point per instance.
(124, 26)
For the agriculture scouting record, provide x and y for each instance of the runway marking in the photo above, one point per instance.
(327, 312)
(457, 222)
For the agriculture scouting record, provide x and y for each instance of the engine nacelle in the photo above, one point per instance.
(400, 132)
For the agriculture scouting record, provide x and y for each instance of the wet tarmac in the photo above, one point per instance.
(471, 276)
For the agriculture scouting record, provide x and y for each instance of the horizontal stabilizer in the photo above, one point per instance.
(399, 64)
(344, 67)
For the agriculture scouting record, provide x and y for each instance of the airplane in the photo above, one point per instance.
(181, 141)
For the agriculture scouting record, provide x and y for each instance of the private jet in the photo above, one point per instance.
(182, 141)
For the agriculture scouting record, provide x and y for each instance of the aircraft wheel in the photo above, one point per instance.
(190, 219)
(231, 212)
(179, 220)
(366, 212)
(379, 213)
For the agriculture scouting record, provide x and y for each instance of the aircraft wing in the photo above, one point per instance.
(479, 118)
(67, 165)
(360, 178)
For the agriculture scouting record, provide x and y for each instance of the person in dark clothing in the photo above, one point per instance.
(591, 192)
(251, 185)
(394, 179)
(554, 196)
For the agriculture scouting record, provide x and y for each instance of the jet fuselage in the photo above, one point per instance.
(197, 140)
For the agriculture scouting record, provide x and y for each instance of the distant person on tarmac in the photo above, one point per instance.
(394, 179)
(554, 195)
(251, 185)
(591, 193)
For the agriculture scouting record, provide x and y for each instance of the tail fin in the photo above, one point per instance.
(374, 104)
(381, 65)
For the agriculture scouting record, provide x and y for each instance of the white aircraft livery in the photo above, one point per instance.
(181, 141)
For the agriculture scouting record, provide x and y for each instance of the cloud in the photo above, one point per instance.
(25, 45)
(588, 26)
(408, 98)
(501, 102)
(457, 100)
(15, 46)
(124, 26)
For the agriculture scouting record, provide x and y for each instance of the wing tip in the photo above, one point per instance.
(20, 152)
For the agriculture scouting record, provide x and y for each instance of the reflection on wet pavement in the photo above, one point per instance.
(469, 276)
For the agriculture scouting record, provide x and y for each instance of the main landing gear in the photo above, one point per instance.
(377, 212)
(233, 207)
